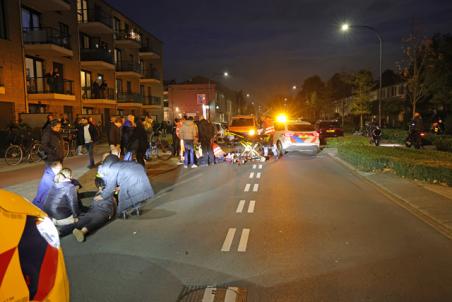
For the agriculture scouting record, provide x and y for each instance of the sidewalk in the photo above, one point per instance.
(431, 203)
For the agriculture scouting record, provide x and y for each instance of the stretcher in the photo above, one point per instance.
(248, 149)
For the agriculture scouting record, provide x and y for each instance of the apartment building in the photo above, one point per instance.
(76, 57)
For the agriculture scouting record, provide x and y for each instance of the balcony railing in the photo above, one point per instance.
(95, 15)
(100, 93)
(124, 97)
(46, 35)
(96, 54)
(148, 49)
(151, 74)
(128, 35)
(127, 66)
(49, 84)
(152, 100)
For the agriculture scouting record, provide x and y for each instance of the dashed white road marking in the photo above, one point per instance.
(254, 166)
(231, 294)
(209, 294)
(260, 166)
(251, 206)
(244, 240)
(240, 206)
(256, 188)
(228, 241)
(247, 187)
(252, 175)
(258, 175)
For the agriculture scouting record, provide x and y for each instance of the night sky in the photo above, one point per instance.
(267, 46)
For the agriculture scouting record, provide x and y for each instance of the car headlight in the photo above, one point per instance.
(48, 231)
(252, 132)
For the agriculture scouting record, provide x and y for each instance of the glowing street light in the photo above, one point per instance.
(248, 95)
(345, 27)
(226, 74)
(294, 87)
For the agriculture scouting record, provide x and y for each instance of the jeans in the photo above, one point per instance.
(90, 148)
(207, 154)
(189, 152)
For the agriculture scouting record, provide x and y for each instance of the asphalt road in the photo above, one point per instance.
(310, 231)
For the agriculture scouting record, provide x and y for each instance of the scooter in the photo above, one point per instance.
(375, 136)
(414, 137)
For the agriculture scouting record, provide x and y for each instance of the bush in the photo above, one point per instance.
(442, 143)
(427, 165)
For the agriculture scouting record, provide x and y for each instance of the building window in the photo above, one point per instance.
(129, 87)
(3, 33)
(2, 83)
(30, 19)
(85, 77)
(85, 41)
(116, 24)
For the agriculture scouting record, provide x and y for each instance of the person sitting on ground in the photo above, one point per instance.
(99, 214)
(62, 204)
(132, 180)
(46, 183)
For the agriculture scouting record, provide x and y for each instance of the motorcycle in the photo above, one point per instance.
(414, 137)
(375, 135)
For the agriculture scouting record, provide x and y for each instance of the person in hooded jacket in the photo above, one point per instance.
(206, 135)
(132, 180)
(138, 142)
(62, 204)
(127, 131)
(46, 183)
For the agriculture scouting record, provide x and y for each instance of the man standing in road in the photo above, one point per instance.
(90, 137)
(114, 136)
(206, 134)
(188, 133)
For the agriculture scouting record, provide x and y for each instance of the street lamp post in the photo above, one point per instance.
(346, 27)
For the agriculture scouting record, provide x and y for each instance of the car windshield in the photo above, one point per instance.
(329, 125)
(300, 127)
(240, 122)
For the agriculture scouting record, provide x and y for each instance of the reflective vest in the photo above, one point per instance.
(217, 151)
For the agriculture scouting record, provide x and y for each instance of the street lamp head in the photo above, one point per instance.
(226, 74)
(345, 27)
(294, 87)
(248, 95)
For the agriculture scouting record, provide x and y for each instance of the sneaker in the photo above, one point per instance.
(194, 166)
(79, 235)
(185, 166)
(179, 163)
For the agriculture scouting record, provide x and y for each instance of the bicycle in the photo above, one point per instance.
(16, 152)
(70, 143)
(252, 149)
(159, 148)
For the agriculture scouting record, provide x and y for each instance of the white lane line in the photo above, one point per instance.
(228, 241)
(243, 240)
(231, 294)
(256, 188)
(260, 166)
(251, 206)
(247, 187)
(240, 206)
(209, 294)
(252, 175)
(258, 175)
(254, 166)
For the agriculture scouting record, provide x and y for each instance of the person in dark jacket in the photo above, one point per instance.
(132, 180)
(50, 118)
(127, 131)
(138, 142)
(62, 204)
(46, 183)
(206, 132)
(52, 143)
(90, 136)
(114, 136)
(80, 137)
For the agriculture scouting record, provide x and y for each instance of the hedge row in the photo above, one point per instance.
(426, 165)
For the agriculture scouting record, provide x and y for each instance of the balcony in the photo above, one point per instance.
(50, 88)
(48, 5)
(46, 41)
(100, 96)
(128, 69)
(127, 39)
(152, 101)
(150, 77)
(96, 59)
(130, 99)
(148, 53)
(95, 21)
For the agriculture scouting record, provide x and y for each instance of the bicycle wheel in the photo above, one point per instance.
(66, 149)
(164, 150)
(14, 155)
(34, 153)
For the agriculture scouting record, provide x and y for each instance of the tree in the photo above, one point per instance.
(438, 79)
(416, 51)
(312, 97)
(363, 84)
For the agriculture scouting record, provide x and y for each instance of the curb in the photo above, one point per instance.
(400, 201)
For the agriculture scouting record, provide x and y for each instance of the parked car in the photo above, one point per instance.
(32, 262)
(328, 128)
(296, 135)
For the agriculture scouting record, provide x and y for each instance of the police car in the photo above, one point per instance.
(31, 260)
(296, 135)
